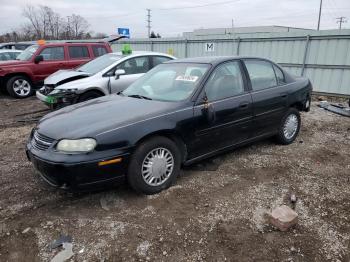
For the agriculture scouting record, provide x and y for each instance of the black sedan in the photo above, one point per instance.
(178, 113)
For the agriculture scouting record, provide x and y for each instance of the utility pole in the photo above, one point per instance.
(233, 27)
(149, 22)
(341, 20)
(319, 16)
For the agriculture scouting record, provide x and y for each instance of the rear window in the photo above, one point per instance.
(78, 52)
(99, 50)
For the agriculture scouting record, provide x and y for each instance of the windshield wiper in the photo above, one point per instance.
(140, 96)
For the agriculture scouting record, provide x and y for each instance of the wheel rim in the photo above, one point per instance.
(157, 166)
(290, 126)
(307, 105)
(21, 87)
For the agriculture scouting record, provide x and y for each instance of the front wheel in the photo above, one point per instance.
(19, 87)
(154, 165)
(289, 127)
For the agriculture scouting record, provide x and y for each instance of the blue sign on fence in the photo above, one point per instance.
(124, 32)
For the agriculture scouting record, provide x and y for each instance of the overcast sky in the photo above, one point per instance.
(107, 15)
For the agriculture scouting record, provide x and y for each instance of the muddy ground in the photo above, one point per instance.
(214, 212)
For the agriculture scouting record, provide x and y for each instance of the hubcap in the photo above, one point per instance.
(157, 166)
(21, 87)
(290, 126)
(307, 104)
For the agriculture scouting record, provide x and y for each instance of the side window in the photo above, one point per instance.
(53, 53)
(159, 59)
(135, 65)
(224, 82)
(4, 57)
(279, 75)
(13, 55)
(261, 74)
(78, 52)
(99, 50)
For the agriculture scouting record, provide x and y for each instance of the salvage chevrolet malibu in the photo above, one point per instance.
(180, 112)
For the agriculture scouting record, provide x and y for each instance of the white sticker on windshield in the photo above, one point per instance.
(187, 78)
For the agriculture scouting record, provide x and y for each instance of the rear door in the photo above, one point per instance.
(225, 116)
(269, 94)
(77, 55)
(134, 68)
(54, 59)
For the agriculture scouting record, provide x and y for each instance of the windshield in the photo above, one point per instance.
(98, 64)
(27, 53)
(168, 82)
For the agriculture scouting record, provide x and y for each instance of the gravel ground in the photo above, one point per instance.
(214, 212)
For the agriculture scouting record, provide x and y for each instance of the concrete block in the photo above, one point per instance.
(283, 217)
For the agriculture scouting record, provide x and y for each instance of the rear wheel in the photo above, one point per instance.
(307, 105)
(19, 87)
(289, 127)
(154, 166)
(89, 95)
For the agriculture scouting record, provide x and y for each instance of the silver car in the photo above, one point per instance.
(110, 73)
(9, 54)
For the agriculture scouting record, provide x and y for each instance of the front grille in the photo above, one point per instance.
(41, 142)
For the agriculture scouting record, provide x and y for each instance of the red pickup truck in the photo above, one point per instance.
(21, 76)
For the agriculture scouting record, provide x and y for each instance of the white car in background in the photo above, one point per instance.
(9, 54)
(107, 74)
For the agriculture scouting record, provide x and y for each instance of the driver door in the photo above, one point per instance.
(224, 112)
(54, 59)
(134, 68)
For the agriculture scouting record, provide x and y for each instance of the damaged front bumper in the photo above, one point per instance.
(56, 98)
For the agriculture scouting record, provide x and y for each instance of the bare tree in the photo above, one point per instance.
(44, 23)
(30, 12)
(79, 26)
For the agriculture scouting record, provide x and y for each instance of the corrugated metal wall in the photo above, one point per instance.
(322, 56)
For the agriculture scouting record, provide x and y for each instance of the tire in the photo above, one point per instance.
(138, 172)
(19, 87)
(89, 95)
(284, 137)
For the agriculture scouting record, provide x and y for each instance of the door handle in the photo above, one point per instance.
(283, 95)
(243, 105)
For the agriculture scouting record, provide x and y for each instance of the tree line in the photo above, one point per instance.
(44, 23)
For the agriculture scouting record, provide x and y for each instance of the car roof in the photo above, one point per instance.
(71, 43)
(10, 51)
(139, 53)
(214, 60)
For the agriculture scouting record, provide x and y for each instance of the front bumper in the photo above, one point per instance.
(80, 175)
(56, 100)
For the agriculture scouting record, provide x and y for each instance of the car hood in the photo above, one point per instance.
(96, 116)
(9, 63)
(64, 76)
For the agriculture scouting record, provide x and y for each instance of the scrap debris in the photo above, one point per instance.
(336, 108)
(65, 254)
(60, 241)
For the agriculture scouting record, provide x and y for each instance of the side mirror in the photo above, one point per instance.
(118, 73)
(38, 59)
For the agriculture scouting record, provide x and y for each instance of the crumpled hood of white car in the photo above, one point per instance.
(64, 76)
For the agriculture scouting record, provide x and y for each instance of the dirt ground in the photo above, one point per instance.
(214, 212)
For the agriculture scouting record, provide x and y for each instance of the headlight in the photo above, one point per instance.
(63, 91)
(79, 145)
